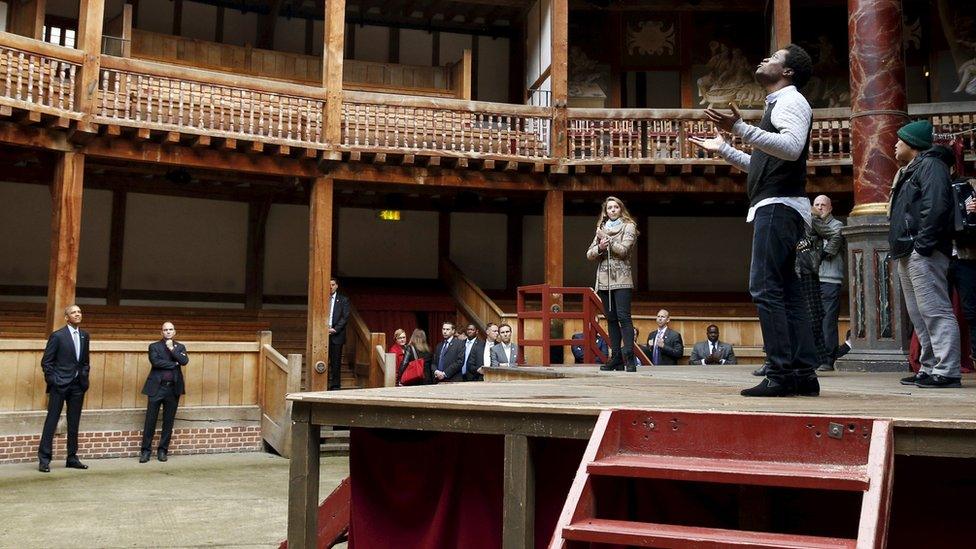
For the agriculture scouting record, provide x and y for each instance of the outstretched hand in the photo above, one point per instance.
(711, 144)
(722, 120)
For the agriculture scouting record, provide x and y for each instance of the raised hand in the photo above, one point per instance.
(712, 144)
(722, 120)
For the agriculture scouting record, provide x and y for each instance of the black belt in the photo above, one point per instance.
(167, 383)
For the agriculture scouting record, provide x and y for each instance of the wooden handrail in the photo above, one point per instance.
(134, 346)
(368, 98)
(29, 45)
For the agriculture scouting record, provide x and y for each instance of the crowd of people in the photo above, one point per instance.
(459, 356)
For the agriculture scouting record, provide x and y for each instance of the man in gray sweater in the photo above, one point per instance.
(831, 275)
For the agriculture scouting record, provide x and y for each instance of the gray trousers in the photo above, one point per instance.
(926, 288)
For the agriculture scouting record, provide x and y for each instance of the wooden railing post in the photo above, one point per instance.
(91, 14)
(264, 338)
(335, 25)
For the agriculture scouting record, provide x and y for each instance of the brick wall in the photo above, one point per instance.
(113, 444)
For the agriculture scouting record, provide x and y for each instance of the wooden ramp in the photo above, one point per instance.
(812, 452)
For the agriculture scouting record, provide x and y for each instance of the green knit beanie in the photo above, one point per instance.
(917, 135)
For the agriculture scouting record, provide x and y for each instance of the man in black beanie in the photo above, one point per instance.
(920, 239)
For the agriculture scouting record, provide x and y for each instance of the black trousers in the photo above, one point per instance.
(620, 325)
(167, 398)
(74, 396)
(810, 286)
(775, 289)
(830, 295)
(335, 365)
(962, 277)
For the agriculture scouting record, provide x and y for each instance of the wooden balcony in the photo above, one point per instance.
(161, 102)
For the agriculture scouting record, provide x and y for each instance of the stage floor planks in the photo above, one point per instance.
(927, 421)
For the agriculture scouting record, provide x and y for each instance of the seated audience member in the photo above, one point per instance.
(399, 344)
(579, 353)
(664, 345)
(504, 353)
(417, 348)
(446, 364)
(712, 351)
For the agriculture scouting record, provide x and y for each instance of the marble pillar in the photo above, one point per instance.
(878, 109)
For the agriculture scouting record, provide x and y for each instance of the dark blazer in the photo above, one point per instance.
(701, 351)
(59, 362)
(163, 360)
(454, 356)
(671, 351)
(339, 319)
(475, 360)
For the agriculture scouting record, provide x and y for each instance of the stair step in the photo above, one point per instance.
(642, 534)
(734, 471)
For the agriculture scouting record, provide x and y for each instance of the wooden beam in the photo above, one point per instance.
(518, 512)
(219, 26)
(27, 18)
(116, 245)
(553, 213)
(303, 480)
(559, 71)
(257, 223)
(91, 14)
(335, 17)
(513, 247)
(66, 192)
(309, 36)
(319, 272)
(266, 25)
(642, 250)
(782, 24)
(474, 67)
(177, 17)
(393, 46)
(443, 239)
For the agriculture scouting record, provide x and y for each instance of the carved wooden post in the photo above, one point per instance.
(335, 28)
(66, 191)
(319, 272)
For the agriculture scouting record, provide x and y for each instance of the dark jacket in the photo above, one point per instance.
(811, 248)
(672, 350)
(921, 206)
(451, 365)
(59, 362)
(475, 360)
(340, 317)
(163, 360)
(410, 353)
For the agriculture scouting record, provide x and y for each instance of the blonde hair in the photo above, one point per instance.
(624, 212)
(399, 332)
(419, 341)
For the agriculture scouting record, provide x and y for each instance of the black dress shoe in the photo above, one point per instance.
(144, 457)
(808, 386)
(761, 371)
(161, 455)
(768, 388)
(44, 467)
(75, 464)
(913, 379)
(936, 381)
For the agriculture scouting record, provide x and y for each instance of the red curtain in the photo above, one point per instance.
(389, 321)
(435, 319)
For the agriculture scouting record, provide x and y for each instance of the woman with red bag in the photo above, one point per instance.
(399, 345)
(413, 369)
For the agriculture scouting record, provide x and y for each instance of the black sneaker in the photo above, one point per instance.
(935, 381)
(913, 379)
(808, 386)
(144, 457)
(769, 388)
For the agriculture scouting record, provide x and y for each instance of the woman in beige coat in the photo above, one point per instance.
(612, 245)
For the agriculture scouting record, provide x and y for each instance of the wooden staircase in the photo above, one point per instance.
(809, 454)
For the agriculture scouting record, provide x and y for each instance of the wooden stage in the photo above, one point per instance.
(564, 402)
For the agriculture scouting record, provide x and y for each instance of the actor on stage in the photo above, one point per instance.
(780, 212)
(612, 245)
(65, 364)
(163, 387)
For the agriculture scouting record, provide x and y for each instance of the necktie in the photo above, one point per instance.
(714, 348)
(74, 336)
(656, 354)
(467, 353)
(440, 363)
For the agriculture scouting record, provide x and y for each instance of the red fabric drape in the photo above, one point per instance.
(434, 321)
(389, 321)
(915, 349)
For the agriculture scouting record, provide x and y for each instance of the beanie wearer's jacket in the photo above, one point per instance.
(921, 206)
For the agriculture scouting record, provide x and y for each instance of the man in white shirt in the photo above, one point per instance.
(780, 212)
(712, 351)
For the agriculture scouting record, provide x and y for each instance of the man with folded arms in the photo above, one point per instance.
(163, 387)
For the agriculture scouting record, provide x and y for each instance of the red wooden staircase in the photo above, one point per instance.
(812, 455)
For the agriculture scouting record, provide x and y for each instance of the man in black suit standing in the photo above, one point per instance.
(338, 317)
(664, 346)
(65, 364)
(474, 353)
(448, 356)
(164, 385)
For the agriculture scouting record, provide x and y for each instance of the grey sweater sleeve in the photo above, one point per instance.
(791, 116)
(735, 157)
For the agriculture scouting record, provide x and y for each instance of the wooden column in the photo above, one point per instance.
(91, 14)
(27, 18)
(303, 480)
(335, 28)
(127, 30)
(319, 272)
(257, 223)
(177, 17)
(782, 25)
(113, 287)
(219, 27)
(66, 191)
(559, 73)
(643, 250)
(443, 239)
(554, 237)
(513, 247)
(518, 513)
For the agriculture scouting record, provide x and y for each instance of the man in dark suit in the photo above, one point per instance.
(164, 385)
(712, 351)
(474, 354)
(664, 345)
(338, 317)
(448, 356)
(65, 364)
